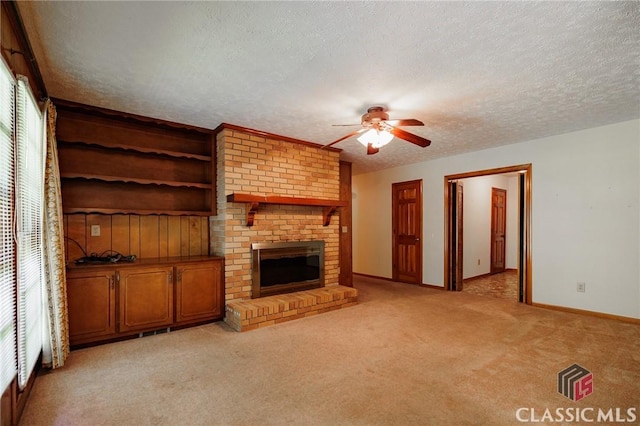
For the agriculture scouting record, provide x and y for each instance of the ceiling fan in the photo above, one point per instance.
(379, 130)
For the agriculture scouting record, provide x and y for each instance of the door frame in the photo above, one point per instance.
(525, 219)
(456, 238)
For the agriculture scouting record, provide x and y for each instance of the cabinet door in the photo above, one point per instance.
(146, 298)
(91, 302)
(199, 292)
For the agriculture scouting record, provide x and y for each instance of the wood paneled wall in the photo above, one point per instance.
(144, 236)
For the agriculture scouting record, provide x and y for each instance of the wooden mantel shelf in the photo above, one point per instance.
(253, 201)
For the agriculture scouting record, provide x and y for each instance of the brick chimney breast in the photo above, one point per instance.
(265, 165)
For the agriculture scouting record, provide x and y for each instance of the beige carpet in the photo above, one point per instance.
(404, 355)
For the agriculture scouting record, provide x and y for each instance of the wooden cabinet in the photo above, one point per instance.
(107, 302)
(112, 162)
(91, 300)
(146, 298)
(196, 297)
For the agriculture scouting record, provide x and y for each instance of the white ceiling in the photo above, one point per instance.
(478, 74)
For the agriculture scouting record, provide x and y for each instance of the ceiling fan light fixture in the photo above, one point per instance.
(377, 138)
(377, 131)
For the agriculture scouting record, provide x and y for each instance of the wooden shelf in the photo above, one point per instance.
(254, 201)
(277, 199)
(148, 212)
(124, 179)
(98, 196)
(141, 150)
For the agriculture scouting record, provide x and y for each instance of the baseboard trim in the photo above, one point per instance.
(538, 305)
(435, 287)
(589, 313)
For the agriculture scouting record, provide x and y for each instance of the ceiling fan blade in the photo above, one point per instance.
(371, 150)
(346, 125)
(405, 122)
(409, 137)
(344, 137)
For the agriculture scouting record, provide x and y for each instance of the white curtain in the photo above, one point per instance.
(56, 336)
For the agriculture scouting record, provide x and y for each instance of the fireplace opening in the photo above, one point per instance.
(286, 267)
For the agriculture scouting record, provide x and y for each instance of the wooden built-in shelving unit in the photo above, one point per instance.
(254, 201)
(112, 162)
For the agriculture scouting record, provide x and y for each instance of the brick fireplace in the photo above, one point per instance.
(258, 164)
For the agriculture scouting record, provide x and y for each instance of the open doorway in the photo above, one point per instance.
(457, 267)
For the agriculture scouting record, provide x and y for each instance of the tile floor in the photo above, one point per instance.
(503, 285)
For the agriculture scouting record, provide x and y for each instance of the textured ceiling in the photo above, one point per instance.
(478, 74)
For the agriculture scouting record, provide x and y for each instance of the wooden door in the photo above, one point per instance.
(407, 231)
(199, 291)
(146, 298)
(91, 303)
(498, 229)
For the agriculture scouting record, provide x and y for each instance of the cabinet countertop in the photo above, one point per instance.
(158, 261)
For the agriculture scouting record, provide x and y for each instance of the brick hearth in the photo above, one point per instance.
(257, 313)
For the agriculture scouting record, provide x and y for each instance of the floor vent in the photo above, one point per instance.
(154, 332)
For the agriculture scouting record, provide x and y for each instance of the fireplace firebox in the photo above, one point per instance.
(285, 267)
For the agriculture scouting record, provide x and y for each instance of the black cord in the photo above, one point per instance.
(109, 253)
(78, 244)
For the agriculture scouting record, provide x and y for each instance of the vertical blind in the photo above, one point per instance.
(7, 253)
(29, 212)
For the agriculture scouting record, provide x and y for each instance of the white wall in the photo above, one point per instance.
(585, 215)
(477, 223)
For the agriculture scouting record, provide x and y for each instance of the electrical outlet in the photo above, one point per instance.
(95, 230)
(581, 287)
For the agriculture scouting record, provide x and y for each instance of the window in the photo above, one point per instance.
(21, 221)
(7, 252)
(29, 208)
